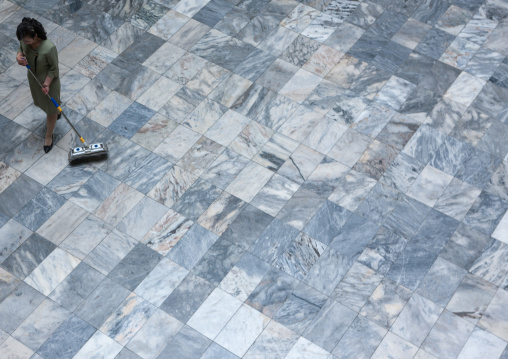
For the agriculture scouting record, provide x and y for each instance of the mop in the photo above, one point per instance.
(76, 153)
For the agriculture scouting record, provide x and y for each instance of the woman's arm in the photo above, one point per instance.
(20, 57)
(53, 69)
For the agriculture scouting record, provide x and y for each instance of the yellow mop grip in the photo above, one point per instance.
(59, 108)
(82, 139)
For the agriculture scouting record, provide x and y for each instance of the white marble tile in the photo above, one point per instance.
(249, 181)
(190, 7)
(16, 102)
(305, 349)
(63, 222)
(300, 85)
(325, 135)
(300, 124)
(109, 109)
(242, 330)
(465, 89)
(76, 51)
(159, 93)
(214, 313)
(429, 185)
(482, 344)
(116, 206)
(227, 127)
(48, 166)
(100, 346)
(394, 347)
(7, 176)
(13, 349)
(501, 231)
(168, 25)
(161, 281)
(52, 271)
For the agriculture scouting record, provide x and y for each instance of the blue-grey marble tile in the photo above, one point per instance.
(353, 236)
(420, 103)
(365, 14)
(398, 131)
(471, 126)
(28, 256)
(486, 212)
(225, 168)
(76, 287)
(407, 217)
(373, 119)
(451, 155)
(213, 12)
(484, 63)
(188, 343)
(274, 239)
(500, 77)
(360, 340)
(66, 341)
(465, 246)
(39, 209)
(25, 154)
(328, 271)
(101, 302)
(218, 261)
(430, 11)
(17, 306)
(18, 194)
(386, 303)
(258, 29)
(424, 143)
(141, 49)
(435, 43)
(300, 50)
(300, 208)
(277, 75)
(194, 244)
(135, 266)
(379, 203)
(197, 199)
(370, 81)
(92, 23)
(327, 223)
(215, 351)
(254, 65)
(441, 281)
(124, 160)
(234, 21)
(421, 252)
(222, 49)
(416, 68)
(95, 191)
(491, 100)
(273, 291)
(71, 179)
(247, 227)
(253, 100)
(471, 5)
(131, 120)
(493, 140)
(490, 265)
(383, 250)
(154, 165)
(497, 185)
(329, 325)
(471, 298)
(300, 308)
(187, 297)
(402, 6)
(391, 56)
(127, 354)
(478, 168)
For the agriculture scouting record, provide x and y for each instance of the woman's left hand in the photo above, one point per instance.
(45, 89)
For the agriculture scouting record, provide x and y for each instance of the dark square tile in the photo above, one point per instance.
(188, 343)
(435, 43)
(197, 199)
(327, 223)
(39, 209)
(430, 11)
(391, 56)
(388, 23)
(131, 120)
(213, 12)
(18, 194)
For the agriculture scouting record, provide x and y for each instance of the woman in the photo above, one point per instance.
(40, 53)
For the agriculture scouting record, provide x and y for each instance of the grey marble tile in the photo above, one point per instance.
(221, 213)
(445, 115)
(454, 19)
(39, 209)
(484, 63)
(418, 256)
(247, 227)
(399, 130)
(379, 203)
(487, 265)
(278, 40)
(24, 155)
(215, 351)
(18, 194)
(276, 112)
(383, 250)
(491, 99)
(273, 291)
(348, 108)
(200, 156)
(295, 215)
(356, 287)
(17, 306)
(28, 256)
(471, 126)
(386, 303)
(254, 65)
(478, 168)
(360, 340)
(326, 177)
(424, 143)
(275, 194)
(328, 271)
(300, 308)
(407, 217)
(8, 283)
(67, 339)
(187, 297)
(465, 89)
(435, 43)
(441, 281)
(131, 120)
(450, 347)
(275, 152)
(373, 119)
(492, 140)
(195, 243)
(457, 199)
(329, 325)
(494, 320)
(13, 235)
(92, 23)
(95, 191)
(142, 259)
(277, 75)
(188, 343)
(494, 345)
(327, 223)
(299, 51)
(395, 92)
(253, 100)
(197, 199)
(276, 341)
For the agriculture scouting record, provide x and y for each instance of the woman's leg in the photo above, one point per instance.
(50, 124)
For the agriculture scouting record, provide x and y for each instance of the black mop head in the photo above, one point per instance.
(94, 150)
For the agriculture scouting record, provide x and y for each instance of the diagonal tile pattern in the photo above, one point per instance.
(286, 179)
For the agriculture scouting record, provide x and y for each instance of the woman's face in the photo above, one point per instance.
(27, 40)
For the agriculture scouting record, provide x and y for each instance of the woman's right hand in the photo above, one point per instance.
(20, 58)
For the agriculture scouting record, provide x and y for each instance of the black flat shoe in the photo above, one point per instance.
(59, 116)
(48, 148)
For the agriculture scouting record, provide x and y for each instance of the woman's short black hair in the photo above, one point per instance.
(30, 27)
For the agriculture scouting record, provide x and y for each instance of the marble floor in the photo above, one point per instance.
(319, 179)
